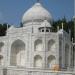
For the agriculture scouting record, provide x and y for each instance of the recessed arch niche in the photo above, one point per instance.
(51, 45)
(1, 45)
(1, 56)
(38, 61)
(66, 55)
(17, 53)
(1, 60)
(38, 45)
(51, 60)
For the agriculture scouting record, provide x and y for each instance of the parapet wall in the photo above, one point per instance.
(32, 71)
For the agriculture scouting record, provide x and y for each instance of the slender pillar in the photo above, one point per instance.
(74, 27)
(74, 34)
(74, 41)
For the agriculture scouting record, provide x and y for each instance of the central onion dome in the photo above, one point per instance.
(37, 13)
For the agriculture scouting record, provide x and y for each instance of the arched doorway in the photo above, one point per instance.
(51, 45)
(17, 53)
(51, 61)
(66, 55)
(38, 61)
(38, 45)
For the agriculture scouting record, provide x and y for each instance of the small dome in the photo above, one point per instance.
(45, 24)
(36, 13)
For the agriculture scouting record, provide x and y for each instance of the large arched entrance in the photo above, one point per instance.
(17, 53)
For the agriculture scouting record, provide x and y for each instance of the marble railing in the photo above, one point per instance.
(32, 71)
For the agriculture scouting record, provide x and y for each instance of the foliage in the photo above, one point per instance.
(3, 28)
(68, 25)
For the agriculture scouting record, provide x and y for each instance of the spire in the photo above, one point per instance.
(74, 20)
(72, 39)
(74, 7)
(32, 24)
(62, 25)
(57, 28)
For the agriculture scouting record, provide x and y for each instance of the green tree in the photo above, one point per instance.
(3, 28)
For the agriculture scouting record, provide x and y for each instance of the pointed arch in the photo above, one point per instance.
(1, 60)
(38, 61)
(66, 55)
(1, 56)
(17, 53)
(51, 45)
(38, 45)
(1, 45)
(51, 61)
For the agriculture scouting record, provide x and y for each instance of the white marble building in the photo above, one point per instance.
(34, 48)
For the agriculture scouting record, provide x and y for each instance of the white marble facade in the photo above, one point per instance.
(34, 47)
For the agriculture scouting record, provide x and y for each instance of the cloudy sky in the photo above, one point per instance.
(11, 11)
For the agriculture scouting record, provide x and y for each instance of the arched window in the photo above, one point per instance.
(66, 55)
(1, 56)
(38, 61)
(1, 60)
(51, 45)
(17, 53)
(47, 30)
(1, 45)
(51, 61)
(38, 45)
